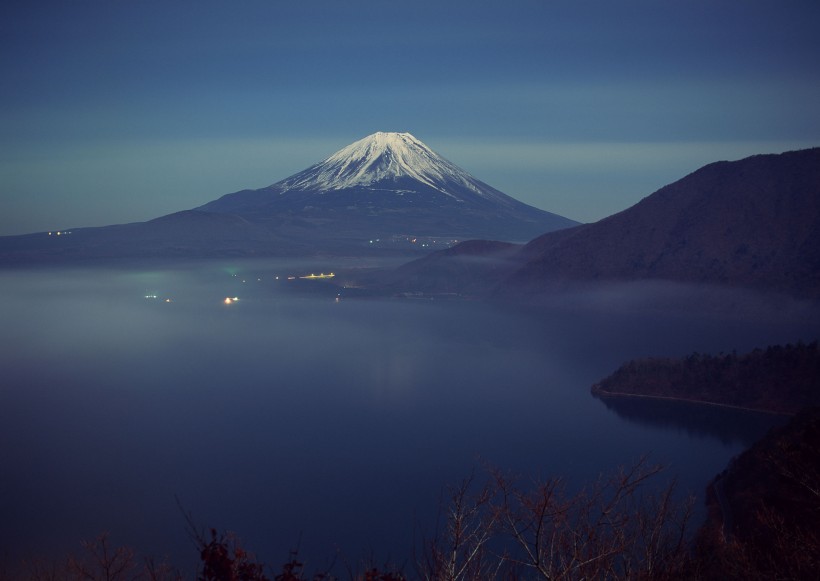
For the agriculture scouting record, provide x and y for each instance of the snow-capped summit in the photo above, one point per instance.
(383, 156)
(389, 184)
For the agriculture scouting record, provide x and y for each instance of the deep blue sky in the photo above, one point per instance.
(114, 111)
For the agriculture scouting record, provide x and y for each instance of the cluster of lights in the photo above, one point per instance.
(257, 280)
(425, 242)
(227, 301)
(232, 300)
(155, 297)
(60, 233)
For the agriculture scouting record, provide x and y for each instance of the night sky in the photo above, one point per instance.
(115, 111)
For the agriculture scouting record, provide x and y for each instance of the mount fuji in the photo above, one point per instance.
(385, 191)
(389, 184)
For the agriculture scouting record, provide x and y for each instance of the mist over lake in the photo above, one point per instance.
(299, 418)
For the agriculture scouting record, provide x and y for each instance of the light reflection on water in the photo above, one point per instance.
(284, 417)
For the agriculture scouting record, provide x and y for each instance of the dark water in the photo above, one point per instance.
(287, 417)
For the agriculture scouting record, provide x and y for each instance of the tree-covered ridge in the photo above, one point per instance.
(764, 509)
(781, 379)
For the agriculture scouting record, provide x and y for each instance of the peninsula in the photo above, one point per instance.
(777, 379)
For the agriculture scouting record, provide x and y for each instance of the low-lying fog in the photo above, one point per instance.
(338, 422)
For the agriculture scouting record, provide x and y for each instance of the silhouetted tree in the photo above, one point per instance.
(100, 561)
(458, 549)
(609, 530)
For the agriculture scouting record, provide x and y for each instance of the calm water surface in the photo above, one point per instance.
(335, 424)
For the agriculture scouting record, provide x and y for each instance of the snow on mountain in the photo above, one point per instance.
(383, 156)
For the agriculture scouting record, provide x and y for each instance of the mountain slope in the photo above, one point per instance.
(753, 222)
(186, 234)
(388, 187)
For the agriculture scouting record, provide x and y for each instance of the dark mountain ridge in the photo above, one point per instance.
(753, 223)
(749, 223)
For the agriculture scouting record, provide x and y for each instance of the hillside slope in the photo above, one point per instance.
(752, 223)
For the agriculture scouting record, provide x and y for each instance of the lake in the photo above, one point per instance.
(335, 424)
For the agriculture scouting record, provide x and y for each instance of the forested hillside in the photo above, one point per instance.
(780, 379)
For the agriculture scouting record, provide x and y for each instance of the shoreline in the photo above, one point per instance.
(604, 394)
